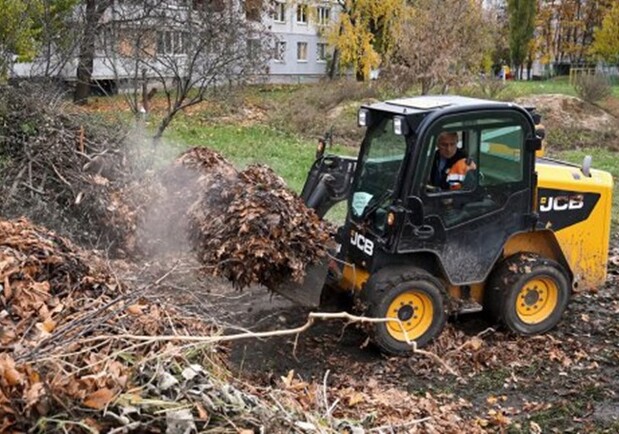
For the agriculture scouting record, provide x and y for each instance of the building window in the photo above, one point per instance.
(324, 15)
(302, 51)
(171, 43)
(321, 52)
(253, 48)
(279, 53)
(279, 13)
(302, 14)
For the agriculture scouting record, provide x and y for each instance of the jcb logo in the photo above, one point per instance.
(362, 243)
(561, 203)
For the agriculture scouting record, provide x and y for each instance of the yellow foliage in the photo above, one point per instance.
(606, 37)
(365, 33)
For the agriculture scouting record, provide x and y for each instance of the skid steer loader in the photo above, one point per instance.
(514, 240)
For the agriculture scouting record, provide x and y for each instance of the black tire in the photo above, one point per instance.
(527, 293)
(421, 308)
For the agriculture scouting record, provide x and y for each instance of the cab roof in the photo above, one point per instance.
(427, 104)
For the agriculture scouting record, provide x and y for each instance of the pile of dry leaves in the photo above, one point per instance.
(82, 351)
(246, 226)
(62, 315)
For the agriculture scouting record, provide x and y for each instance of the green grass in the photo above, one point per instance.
(559, 85)
(289, 155)
(603, 159)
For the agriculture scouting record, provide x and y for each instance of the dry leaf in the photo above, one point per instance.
(33, 394)
(355, 398)
(476, 343)
(287, 380)
(99, 399)
(202, 413)
(12, 376)
(135, 309)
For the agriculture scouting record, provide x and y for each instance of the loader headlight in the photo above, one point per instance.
(390, 219)
(400, 127)
(363, 118)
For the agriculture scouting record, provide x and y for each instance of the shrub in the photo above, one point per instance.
(483, 87)
(314, 109)
(593, 88)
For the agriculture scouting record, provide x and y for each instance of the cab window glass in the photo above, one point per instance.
(479, 174)
(380, 166)
(451, 161)
(501, 155)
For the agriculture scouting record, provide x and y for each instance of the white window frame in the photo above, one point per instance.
(171, 43)
(301, 51)
(279, 12)
(323, 58)
(301, 14)
(279, 52)
(323, 15)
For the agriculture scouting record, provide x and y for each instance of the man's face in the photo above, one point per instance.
(447, 145)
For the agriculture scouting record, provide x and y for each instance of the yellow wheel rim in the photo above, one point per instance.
(415, 311)
(537, 300)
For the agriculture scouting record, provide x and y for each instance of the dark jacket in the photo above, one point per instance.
(440, 180)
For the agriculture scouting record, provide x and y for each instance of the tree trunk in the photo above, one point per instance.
(426, 85)
(333, 66)
(86, 61)
(162, 126)
(359, 75)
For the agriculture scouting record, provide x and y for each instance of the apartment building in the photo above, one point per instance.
(299, 53)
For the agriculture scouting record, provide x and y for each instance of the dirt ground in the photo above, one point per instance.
(564, 381)
(573, 123)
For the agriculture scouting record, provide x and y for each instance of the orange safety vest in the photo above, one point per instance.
(457, 173)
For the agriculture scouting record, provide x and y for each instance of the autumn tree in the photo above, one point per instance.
(364, 34)
(521, 27)
(565, 29)
(39, 32)
(17, 32)
(441, 42)
(184, 52)
(606, 37)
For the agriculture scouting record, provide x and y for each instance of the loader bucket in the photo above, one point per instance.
(307, 292)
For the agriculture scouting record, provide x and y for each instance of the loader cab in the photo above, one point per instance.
(396, 210)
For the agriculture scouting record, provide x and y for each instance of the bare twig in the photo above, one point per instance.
(470, 341)
(62, 178)
(286, 332)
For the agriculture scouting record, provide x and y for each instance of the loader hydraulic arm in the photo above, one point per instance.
(328, 182)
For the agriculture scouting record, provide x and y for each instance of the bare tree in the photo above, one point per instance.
(442, 42)
(184, 49)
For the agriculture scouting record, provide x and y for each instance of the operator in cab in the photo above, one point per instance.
(450, 164)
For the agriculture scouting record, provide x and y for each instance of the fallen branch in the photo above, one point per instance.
(286, 332)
